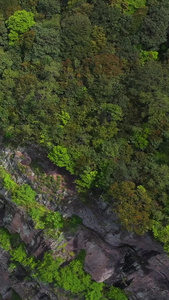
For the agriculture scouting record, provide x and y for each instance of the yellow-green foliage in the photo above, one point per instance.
(47, 270)
(147, 56)
(24, 196)
(74, 279)
(116, 294)
(20, 22)
(18, 254)
(129, 6)
(8, 182)
(71, 278)
(59, 156)
(161, 233)
(86, 180)
(140, 137)
(133, 206)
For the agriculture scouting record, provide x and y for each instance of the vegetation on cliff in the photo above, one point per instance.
(88, 81)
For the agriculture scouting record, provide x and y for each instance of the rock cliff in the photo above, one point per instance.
(137, 264)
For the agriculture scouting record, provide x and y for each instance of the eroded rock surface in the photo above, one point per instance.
(136, 263)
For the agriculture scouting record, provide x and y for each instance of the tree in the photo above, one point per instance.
(20, 22)
(5, 61)
(154, 28)
(133, 206)
(48, 7)
(86, 180)
(7, 5)
(59, 155)
(75, 33)
(46, 46)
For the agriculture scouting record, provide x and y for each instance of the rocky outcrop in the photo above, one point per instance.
(136, 263)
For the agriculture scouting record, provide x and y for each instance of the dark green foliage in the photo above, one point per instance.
(48, 7)
(5, 242)
(47, 41)
(74, 221)
(155, 25)
(7, 5)
(15, 296)
(75, 33)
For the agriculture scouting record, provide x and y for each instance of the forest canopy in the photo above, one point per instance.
(88, 81)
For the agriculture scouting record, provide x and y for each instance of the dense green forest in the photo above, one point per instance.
(88, 81)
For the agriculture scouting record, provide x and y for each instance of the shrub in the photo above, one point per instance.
(5, 239)
(73, 278)
(25, 196)
(18, 254)
(54, 220)
(8, 182)
(95, 292)
(47, 270)
(116, 294)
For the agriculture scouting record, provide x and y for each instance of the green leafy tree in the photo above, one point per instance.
(75, 32)
(86, 181)
(95, 292)
(59, 155)
(161, 232)
(148, 55)
(46, 47)
(37, 213)
(20, 22)
(54, 220)
(7, 5)
(19, 254)
(47, 270)
(5, 61)
(48, 7)
(133, 206)
(154, 27)
(73, 278)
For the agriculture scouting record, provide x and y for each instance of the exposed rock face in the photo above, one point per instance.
(25, 288)
(16, 221)
(136, 263)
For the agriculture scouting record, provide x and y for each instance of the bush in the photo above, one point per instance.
(5, 239)
(54, 220)
(47, 270)
(8, 182)
(25, 196)
(116, 294)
